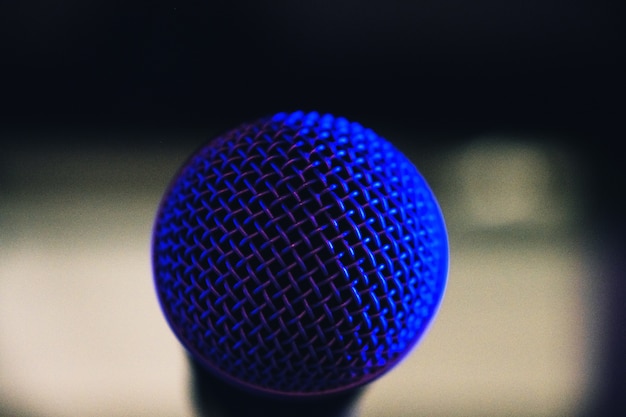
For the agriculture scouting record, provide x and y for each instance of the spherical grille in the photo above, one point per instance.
(299, 254)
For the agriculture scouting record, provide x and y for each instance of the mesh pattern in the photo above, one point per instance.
(300, 254)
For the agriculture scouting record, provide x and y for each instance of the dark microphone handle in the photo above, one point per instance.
(212, 397)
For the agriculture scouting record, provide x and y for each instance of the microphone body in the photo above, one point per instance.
(299, 255)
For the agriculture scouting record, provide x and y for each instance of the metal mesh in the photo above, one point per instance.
(300, 254)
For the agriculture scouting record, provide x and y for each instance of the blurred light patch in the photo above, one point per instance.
(505, 181)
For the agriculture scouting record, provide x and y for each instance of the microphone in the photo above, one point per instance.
(298, 256)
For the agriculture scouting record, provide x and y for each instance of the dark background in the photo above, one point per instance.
(427, 65)
(440, 71)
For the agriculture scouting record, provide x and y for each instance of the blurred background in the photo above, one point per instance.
(513, 111)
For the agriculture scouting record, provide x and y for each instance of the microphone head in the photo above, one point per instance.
(299, 255)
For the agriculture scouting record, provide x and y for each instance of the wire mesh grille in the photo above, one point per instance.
(299, 254)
